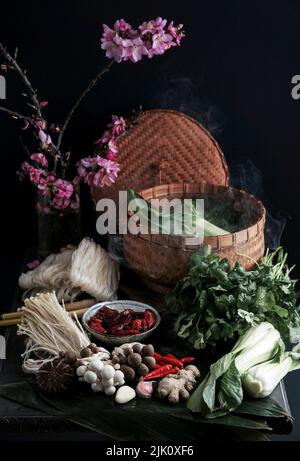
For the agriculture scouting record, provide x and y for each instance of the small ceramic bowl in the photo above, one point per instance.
(116, 340)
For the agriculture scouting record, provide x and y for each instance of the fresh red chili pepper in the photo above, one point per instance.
(168, 360)
(187, 360)
(156, 366)
(173, 371)
(158, 373)
(171, 356)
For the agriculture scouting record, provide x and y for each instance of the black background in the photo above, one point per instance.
(233, 72)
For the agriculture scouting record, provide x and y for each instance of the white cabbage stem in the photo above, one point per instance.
(260, 351)
(252, 336)
(261, 380)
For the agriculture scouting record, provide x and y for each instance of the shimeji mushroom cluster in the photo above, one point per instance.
(99, 371)
(106, 372)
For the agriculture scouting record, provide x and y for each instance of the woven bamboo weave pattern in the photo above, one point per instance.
(166, 146)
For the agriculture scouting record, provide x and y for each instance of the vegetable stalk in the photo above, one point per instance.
(261, 380)
(221, 391)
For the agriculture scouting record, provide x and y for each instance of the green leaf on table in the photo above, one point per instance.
(267, 408)
(230, 394)
(204, 397)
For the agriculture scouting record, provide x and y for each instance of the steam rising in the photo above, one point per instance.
(245, 175)
(183, 95)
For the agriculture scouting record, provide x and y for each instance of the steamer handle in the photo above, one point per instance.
(163, 165)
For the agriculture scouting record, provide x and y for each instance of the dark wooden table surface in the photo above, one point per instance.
(18, 422)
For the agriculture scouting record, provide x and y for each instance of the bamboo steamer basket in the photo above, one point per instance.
(166, 146)
(168, 154)
(162, 260)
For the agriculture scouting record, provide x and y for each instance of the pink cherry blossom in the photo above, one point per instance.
(111, 156)
(161, 42)
(64, 189)
(135, 50)
(33, 173)
(111, 42)
(118, 125)
(101, 172)
(26, 125)
(122, 26)
(34, 264)
(44, 137)
(40, 124)
(44, 103)
(60, 203)
(104, 138)
(123, 43)
(176, 32)
(43, 186)
(153, 26)
(112, 146)
(40, 159)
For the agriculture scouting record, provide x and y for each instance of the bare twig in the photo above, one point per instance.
(90, 86)
(15, 114)
(32, 92)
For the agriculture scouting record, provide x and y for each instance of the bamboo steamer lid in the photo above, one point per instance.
(166, 146)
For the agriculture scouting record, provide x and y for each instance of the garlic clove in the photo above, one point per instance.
(125, 394)
(144, 389)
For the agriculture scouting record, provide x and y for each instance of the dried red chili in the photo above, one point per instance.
(126, 322)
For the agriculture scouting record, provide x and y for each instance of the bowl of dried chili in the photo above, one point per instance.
(120, 322)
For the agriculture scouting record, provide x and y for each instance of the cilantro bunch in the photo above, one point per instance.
(214, 303)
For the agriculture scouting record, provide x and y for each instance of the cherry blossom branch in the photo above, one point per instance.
(16, 114)
(90, 86)
(32, 92)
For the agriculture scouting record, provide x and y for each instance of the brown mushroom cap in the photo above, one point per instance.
(138, 347)
(129, 373)
(134, 359)
(86, 352)
(149, 361)
(70, 358)
(142, 370)
(148, 350)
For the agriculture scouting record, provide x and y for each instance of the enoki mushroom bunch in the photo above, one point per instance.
(88, 268)
(50, 331)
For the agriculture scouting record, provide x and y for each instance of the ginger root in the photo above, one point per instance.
(178, 387)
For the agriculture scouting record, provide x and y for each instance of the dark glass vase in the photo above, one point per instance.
(56, 228)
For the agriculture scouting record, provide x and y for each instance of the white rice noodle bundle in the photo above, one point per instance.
(50, 330)
(94, 271)
(52, 274)
(87, 269)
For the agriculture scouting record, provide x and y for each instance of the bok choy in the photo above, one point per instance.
(180, 218)
(221, 391)
(261, 380)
